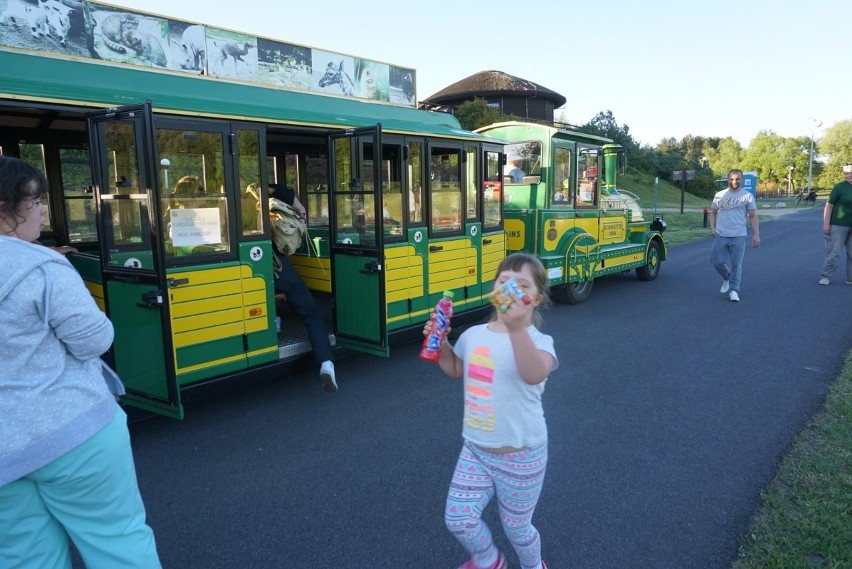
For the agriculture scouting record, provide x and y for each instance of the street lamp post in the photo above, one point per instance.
(790, 180)
(815, 124)
(164, 164)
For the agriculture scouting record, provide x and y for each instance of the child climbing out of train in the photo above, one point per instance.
(505, 364)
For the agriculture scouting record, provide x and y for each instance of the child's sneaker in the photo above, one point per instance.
(501, 563)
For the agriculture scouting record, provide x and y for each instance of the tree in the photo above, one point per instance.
(763, 156)
(837, 146)
(604, 124)
(476, 113)
(726, 156)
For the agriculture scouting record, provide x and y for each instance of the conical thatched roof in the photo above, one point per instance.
(489, 83)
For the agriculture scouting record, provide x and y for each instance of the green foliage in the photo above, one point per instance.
(725, 156)
(476, 113)
(837, 145)
(604, 124)
(702, 187)
(764, 157)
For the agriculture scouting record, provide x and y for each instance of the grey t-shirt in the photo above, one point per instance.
(732, 209)
(500, 408)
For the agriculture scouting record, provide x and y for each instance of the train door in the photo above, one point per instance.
(493, 245)
(357, 239)
(121, 142)
(452, 255)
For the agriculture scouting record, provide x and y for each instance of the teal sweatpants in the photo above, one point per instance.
(89, 495)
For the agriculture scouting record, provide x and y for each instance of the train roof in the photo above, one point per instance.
(514, 129)
(69, 82)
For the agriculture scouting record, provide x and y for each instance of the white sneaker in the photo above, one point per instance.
(824, 281)
(329, 383)
(734, 296)
(725, 286)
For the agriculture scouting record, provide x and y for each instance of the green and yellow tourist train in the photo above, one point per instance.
(157, 156)
(567, 209)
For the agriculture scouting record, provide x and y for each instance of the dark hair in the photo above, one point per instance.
(279, 189)
(19, 181)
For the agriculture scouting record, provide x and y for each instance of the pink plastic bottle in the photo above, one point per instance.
(431, 351)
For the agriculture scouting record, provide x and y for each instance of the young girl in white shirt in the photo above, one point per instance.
(505, 365)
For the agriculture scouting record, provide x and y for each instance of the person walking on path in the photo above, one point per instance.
(837, 226)
(728, 213)
(66, 466)
(505, 365)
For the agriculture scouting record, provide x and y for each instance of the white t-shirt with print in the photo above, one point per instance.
(500, 409)
(732, 209)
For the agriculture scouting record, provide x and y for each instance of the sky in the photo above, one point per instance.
(664, 68)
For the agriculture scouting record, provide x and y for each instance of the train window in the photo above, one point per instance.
(587, 178)
(471, 176)
(523, 163)
(195, 205)
(492, 193)
(562, 177)
(123, 200)
(34, 154)
(316, 180)
(272, 168)
(355, 209)
(248, 150)
(415, 182)
(76, 175)
(391, 172)
(445, 191)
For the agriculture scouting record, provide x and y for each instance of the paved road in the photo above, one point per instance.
(671, 409)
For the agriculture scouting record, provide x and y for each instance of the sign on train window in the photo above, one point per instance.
(195, 180)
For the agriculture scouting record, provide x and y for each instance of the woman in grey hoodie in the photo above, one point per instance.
(66, 467)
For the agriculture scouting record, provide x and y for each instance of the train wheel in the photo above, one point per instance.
(573, 293)
(651, 268)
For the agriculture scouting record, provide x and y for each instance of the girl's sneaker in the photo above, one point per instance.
(499, 564)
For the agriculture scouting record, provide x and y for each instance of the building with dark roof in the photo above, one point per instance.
(509, 94)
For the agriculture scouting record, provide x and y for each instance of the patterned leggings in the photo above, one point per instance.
(517, 479)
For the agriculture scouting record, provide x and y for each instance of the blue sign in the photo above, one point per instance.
(750, 183)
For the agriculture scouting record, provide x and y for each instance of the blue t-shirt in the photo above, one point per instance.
(500, 408)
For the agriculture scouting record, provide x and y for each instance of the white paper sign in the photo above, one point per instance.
(196, 226)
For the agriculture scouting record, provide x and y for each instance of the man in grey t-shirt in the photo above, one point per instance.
(728, 213)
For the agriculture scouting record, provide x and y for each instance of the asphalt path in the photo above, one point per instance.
(670, 411)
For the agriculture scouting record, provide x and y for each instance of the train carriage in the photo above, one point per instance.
(157, 177)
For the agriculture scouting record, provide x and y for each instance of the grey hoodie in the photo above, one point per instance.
(55, 391)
